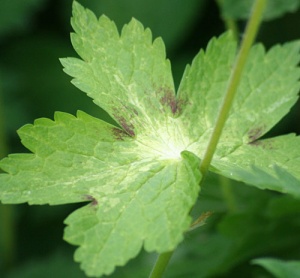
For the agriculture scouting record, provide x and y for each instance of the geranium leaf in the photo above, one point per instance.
(270, 164)
(267, 91)
(127, 74)
(141, 179)
(135, 197)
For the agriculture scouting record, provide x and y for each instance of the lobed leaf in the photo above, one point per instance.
(133, 195)
(71, 155)
(141, 178)
(141, 186)
(114, 229)
(268, 89)
(169, 22)
(127, 74)
(268, 164)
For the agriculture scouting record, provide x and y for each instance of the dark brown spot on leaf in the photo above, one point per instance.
(255, 143)
(266, 144)
(127, 127)
(135, 111)
(255, 133)
(119, 133)
(169, 99)
(90, 198)
(131, 109)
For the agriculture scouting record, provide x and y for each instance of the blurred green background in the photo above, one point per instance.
(246, 223)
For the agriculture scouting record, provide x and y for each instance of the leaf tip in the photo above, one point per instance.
(76, 8)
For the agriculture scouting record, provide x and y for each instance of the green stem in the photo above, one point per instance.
(249, 36)
(230, 24)
(250, 33)
(161, 264)
(228, 195)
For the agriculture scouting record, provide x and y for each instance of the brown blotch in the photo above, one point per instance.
(255, 133)
(263, 144)
(92, 200)
(127, 127)
(169, 99)
(130, 109)
(119, 133)
(135, 111)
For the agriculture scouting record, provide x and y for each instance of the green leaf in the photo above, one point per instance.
(141, 75)
(279, 268)
(133, 194)
(57, 264)
(141, 178)
(241, 9)
(144, 213)
(268, 164)
(266, 92)
(168, 21)
(229, 241)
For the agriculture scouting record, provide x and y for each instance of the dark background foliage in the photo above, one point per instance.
(246, 223)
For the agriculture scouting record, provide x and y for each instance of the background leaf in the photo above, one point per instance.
(279, 268)
(59, 264)
(241, 9)
(229, 241)
(168, 21)
(16, 14)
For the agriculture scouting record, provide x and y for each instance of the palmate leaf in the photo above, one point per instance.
(141, 179)
(134, 194)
